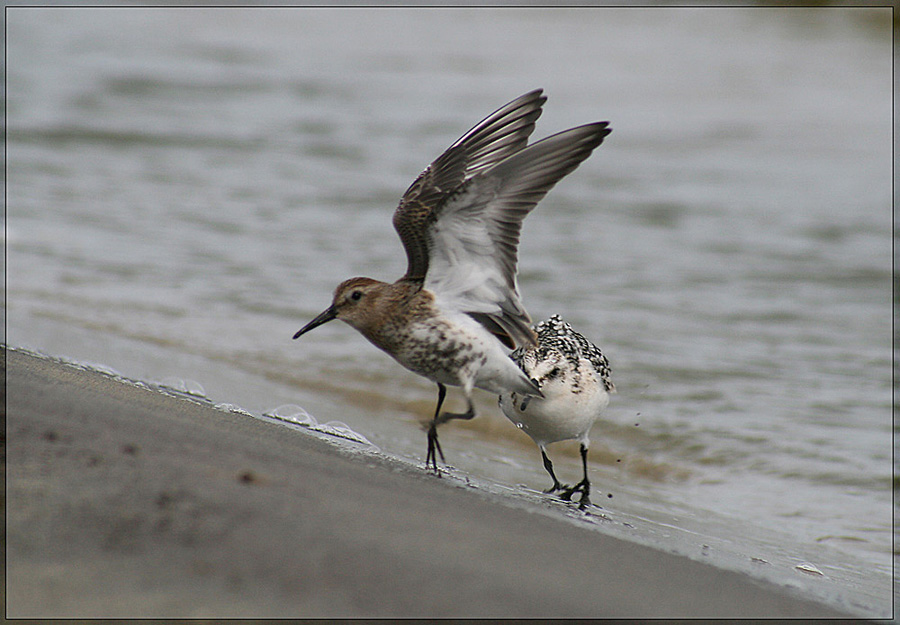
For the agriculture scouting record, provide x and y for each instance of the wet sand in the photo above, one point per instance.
(126, 502)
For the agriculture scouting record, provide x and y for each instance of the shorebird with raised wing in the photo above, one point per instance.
(456, 313)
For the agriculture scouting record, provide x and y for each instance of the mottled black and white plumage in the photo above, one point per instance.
(555, 335)
(574, 378)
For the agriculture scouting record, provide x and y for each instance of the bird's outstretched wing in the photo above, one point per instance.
(498, 136)
(473, 236)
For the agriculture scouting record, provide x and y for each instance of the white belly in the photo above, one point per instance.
(560, 415)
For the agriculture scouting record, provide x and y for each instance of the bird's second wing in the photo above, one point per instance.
(473, 238)
(501, 134)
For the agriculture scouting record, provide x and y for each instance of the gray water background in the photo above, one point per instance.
(185, 188)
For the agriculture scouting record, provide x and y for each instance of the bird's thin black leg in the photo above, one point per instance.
(449, 416)
(440, 418)
(434, 448)
(584, 485)
(549, 466)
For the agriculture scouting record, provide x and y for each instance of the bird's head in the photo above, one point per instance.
(353, 302)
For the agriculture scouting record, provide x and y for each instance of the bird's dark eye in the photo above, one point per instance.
(553, 372)
(356, 296)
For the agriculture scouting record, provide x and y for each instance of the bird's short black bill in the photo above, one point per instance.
(326, 316)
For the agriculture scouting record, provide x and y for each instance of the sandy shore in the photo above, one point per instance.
(125, 502)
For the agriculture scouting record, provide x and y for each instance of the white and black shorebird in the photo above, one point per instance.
(456, 313)
(574, 378)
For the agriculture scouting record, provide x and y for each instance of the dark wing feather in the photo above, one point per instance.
(498, 136)
(475, 236)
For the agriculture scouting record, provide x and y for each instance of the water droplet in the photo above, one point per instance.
(339, 428)
(188, 387)
(293, 414)
(809, 569)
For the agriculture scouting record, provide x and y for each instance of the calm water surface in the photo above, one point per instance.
(186, 187)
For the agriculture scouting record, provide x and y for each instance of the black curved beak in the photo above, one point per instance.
(326, 316)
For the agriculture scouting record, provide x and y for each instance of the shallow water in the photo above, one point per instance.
(186, 187)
